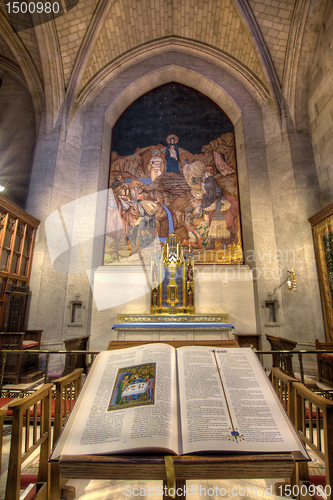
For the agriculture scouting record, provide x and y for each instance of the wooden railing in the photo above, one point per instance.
(283, 385)
(312, 416)
(299, 353)
(90, 354)
(67, 389)
(33, 414)
(314, 424)
(26, 413)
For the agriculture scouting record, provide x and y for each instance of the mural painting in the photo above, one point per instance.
(173, 170)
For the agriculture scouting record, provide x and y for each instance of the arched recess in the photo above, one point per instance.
(173, 73)
(221, 86)
(230, 94)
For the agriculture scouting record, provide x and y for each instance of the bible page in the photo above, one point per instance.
(128, 403)
(228, 404)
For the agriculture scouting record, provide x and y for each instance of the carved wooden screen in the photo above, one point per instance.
(17, 237)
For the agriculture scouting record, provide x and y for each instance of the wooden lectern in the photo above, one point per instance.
(191, 467)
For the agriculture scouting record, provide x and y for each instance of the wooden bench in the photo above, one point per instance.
(25, 415)
(73, 361)
(21, 367)
(325, 362)
(282, 361)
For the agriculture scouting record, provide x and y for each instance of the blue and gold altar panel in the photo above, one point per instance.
(179, 318)
(178, 326)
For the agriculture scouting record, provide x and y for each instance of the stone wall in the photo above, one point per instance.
(17, 137)
(321, 106)
(73, 165)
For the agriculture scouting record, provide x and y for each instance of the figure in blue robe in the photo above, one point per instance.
(172, 157)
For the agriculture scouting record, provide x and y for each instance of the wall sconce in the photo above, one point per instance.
(271, 305)
(2, 188)
(291, 281)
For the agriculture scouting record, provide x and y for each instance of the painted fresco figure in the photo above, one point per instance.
(127, 213)
(156, 165)
(145, 231)
(114, 227)
(117, 181)
(209, 187)
(232, 219)
(218, 228)
(172, 154)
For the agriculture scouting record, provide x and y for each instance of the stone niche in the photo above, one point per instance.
(126, 290)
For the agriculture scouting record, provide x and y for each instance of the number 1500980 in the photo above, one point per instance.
(31, 7)
(304, 490)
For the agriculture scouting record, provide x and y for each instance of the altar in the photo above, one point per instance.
(172, 327)
(170, 297)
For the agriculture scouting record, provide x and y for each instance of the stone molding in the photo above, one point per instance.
(159, 47)
(321, 215)
(28, 68)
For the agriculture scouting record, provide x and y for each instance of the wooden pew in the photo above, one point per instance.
(282, 361)
(325, 362)
(25, 415)
(76, 361)
(21, 367)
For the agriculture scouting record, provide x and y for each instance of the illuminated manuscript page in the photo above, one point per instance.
(128, 402)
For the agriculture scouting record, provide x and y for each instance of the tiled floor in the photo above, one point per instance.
(122, 490)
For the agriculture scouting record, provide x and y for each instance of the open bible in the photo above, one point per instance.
(155, 398)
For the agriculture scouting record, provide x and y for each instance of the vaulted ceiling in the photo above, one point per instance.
(265, 42)
(260, 36)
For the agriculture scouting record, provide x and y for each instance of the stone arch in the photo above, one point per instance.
(242, 107)
(173, 73)
(159, 48)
